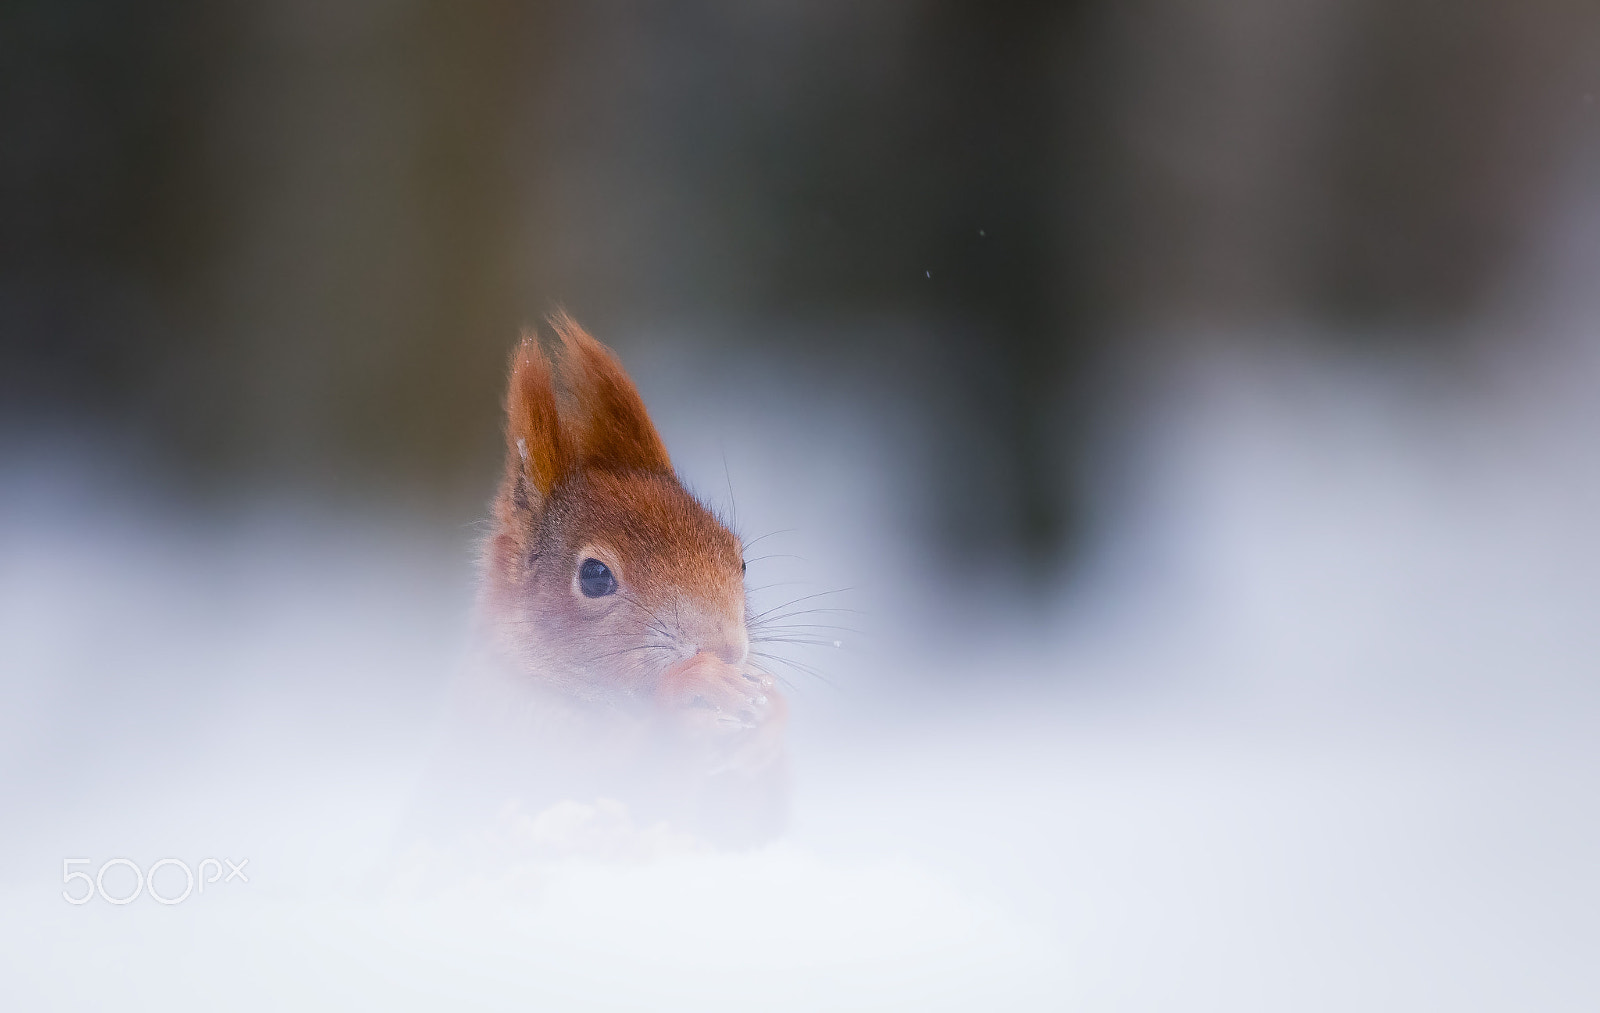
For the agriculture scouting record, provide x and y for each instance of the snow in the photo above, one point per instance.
(1315, 728)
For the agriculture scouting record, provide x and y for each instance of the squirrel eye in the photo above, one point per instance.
(744, 567)
(595, 579)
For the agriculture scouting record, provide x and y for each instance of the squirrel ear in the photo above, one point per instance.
(537, 449)
(608, 424)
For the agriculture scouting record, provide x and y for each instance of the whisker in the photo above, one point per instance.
(630, 650)
(768, 587)
(811, 626)
(798, 666)
(765, 658)
(759, 621)
(769, 534)
(802, 598)
(806, 640)
(784, 680)
(656, 622)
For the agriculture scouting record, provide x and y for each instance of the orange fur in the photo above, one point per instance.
(608, 421)
(587, 476)
(536, 444)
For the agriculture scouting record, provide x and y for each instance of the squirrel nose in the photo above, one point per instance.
(725, 640)
(713, 631)
(731, 644)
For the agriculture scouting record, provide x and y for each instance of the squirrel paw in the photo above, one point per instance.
(712, 695)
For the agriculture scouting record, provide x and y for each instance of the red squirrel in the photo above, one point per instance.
(608, 587)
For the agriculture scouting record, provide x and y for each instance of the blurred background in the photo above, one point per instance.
(293, 242)
(1194, 406)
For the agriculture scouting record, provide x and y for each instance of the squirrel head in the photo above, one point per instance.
(603, 571)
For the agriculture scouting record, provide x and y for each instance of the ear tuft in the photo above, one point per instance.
(537, 448)
(607, 421)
